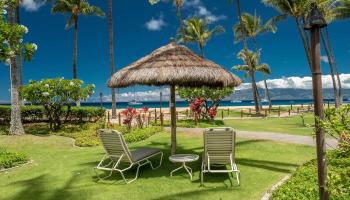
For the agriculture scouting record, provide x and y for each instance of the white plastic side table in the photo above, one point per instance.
(183, 158)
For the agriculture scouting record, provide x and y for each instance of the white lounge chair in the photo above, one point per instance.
(117, 152)
(219, 149)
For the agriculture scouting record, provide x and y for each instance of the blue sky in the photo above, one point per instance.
(140, 28)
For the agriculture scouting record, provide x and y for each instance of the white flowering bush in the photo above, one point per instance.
(11, 36)
(54, 95)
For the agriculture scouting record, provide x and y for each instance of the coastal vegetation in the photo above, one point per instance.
(63, 160)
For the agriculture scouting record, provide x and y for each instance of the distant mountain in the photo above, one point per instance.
(285, 94)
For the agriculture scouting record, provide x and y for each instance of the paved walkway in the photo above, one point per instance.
(278, 137)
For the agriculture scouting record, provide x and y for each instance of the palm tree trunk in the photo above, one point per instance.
(305, 41)
(201, 48)
(245, 44)
(16, 127)
(335, 91)
(111, 55)
(265, 83)
(20, 61)
(267, 92)
(255, 92)
(340, 95)
(75, 50)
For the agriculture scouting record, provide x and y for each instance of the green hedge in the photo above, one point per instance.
(85, 135)
(36, 114)
(303, 183)
(11, 159)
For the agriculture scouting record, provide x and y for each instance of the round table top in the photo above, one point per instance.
(184, 158)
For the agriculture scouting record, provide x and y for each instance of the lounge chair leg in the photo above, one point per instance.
(136, 176)
(238, 177)
(202, 174)
(160, 162)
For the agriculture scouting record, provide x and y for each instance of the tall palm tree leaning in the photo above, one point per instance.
(253, 26)
(340, 12)
(298, 10)
(111, 55)
(245, 45)
(196, 30)
(248, 56)
(75, 8)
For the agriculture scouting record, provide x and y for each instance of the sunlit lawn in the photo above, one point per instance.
(61, 171)
(291, 125)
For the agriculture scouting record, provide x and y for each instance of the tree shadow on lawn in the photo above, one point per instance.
(38, 188)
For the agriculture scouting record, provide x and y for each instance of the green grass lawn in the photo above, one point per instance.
(61, 171)
(291, 125)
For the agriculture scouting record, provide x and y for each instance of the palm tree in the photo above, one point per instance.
(75, 8)
(196, 30)
(252, 27)
(111, 55)
(245, 45)
(248, 56)
(297, 9)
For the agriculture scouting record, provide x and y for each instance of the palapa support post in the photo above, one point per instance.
(279, 111)
(228, 112)
(119, 119)
(161, 119)
(173, 119)
(222, 114)
(155, 116)
(108, 118)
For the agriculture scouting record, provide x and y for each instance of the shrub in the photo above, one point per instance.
(141, 134)
(31, 114)
(85, 135)
(54, 94)
(303, 183)
(11, 159)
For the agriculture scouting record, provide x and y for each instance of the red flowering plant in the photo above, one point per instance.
(212, 112)
(144, 109)
(129, 114)
(196, 106)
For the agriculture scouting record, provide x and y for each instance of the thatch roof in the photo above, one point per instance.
(174, 64)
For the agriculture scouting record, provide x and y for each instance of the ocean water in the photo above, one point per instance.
(179, 104)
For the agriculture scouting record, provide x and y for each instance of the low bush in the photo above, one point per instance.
(190, 123)
(303, 183)
(141, 134)
(11, 159)
(32, 114)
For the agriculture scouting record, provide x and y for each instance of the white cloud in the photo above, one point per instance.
(295, 82)
(32, 5)
(201, 10)
(155, 24)
(324, 59)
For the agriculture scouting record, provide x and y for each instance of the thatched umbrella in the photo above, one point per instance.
(173, 65)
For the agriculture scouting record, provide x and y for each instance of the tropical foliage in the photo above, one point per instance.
(210, 97)
(197, 30)
(75, 8)
(54, 94)
(12, 45)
